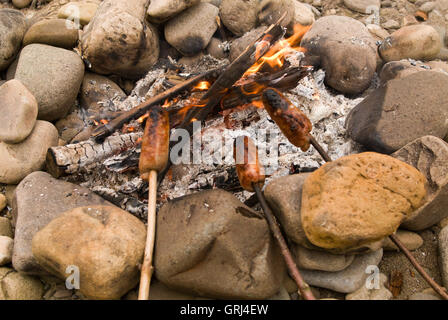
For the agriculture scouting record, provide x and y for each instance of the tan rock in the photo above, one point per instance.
(104, 242)
(270, 11)
(82, 11)
(359, 199)
(5, 227)
(18, 108)
(162, 10)
(19, 160)
(379, 293)
(116, 41)
(17, 286)
(239, 16)
(419, 42)
(55, 32)
(2, 203)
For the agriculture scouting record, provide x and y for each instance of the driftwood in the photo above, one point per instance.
(103, 131)
(73, 158)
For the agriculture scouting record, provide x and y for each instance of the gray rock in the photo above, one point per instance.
(284, 195)
(19, 112)
(363, 293)
(348, 280)
(19, 160)
(162, 10)
(346, 51)
(96, 90)
(238, 45)
(5, 227)
(210, 244)
(239, 16)
(53, 75)
(69, 126)
(320, 260)
(429, 155)
(191, 31)
(411, 240)
(6, 245)
(216, 49)
(443, 255)
(393, 115)
(401, 69)
(116, 41)
(270, 11)
(16, 286)
(12, 30)
(303, 14)
(363, 6)
(38, 199)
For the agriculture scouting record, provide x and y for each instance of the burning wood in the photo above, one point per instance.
(73, 158)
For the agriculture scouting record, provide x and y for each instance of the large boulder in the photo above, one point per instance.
(53, 75)
(239, 16)
(105, 243)
(401, 111)
(210, 244)
(430, 156)
(192, 30)
(19, 160)
(345, 49)
(359, 199)
(12, 30)
(39, 199)
(18, 108)
(119, 41)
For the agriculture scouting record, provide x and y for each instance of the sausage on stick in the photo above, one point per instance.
(153, 159)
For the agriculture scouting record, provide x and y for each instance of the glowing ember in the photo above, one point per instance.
(142, 118)
(202, 86)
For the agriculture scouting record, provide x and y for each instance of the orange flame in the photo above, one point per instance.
(142, 118)
(275, 57)
(202, 86)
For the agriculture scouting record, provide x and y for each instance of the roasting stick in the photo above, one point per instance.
(251, 177)
(153, 158)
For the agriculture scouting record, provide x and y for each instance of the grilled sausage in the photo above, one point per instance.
(248, 168)
(294, 124)
(155, 144)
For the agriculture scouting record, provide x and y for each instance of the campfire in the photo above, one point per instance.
(226, 98)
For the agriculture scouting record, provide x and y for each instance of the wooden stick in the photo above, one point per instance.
(441, 291)
(304, 288)
(103, 131)
(319, 149)
(147, 268)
